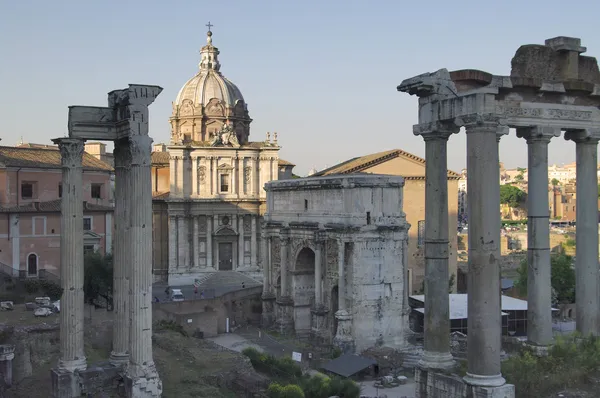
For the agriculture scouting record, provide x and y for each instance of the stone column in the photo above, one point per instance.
(343, 335)
(285, 303)
(586, 263)
(437, 302)
(183, 242)
(72, 354)
(209, 244)
(253, 175)
(120, 339)
(539, 287)
(265, 263)
(253, 243)
(341, 277)
(7, 354)
(484, 305)
(240, 190)
(141, 364)
(214, 161)
(284, 241)
(318, 269)
(196, 243)
(172, 242)
(240, 241)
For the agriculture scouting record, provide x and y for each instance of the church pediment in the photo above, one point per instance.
(225, 231)
(225, 166)
(90, 236)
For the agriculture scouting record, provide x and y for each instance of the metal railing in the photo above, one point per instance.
(7, 270)
(49, 276)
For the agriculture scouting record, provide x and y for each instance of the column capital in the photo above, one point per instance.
(439, 130)
(141, 150)
(284, 236)
(591, 136)
(538, 133)
(71, 151)
(483, 122)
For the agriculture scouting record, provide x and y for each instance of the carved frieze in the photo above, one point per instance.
(202, 224)
(275, 251)
(202, 173)
(331, 253)
(557, 114)
(247, 173)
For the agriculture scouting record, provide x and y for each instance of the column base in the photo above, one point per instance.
(143, 382)
(505, 391)
(285, 318)
(436, 360)
(343, 338)
(65, 384)
(118, 358)
(268, 309)
(484, 381)
(71, 366)
(537, 350)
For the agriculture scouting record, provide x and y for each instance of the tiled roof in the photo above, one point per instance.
(160, 158)
(359, 164)
(43, 158)
(160, 195)
(285, 163)
(52, 206)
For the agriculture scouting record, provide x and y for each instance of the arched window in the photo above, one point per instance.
(32, 264)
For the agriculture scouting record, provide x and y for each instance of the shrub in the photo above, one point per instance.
(321, 386)
(285, 368)
(290, 391)
(570, 242)
(170, 325)
(41, 286)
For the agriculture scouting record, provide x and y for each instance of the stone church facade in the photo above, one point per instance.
(209, 198)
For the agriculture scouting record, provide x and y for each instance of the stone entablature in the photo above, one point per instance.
(335, 250)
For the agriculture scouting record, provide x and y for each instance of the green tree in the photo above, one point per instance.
(555, 182)
(519, 178)
(98, 279)
(562, 280)
(511, 195)
(598, 190)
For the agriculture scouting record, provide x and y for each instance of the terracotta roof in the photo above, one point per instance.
(160, 158)
(52, 206)
(359, 164)
(285, 163)
(43, 158)
(160, 195)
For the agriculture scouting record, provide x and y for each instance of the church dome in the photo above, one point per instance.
(208, 102)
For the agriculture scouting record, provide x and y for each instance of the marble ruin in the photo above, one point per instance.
(335, 255)
(551, 88)
(125, 122)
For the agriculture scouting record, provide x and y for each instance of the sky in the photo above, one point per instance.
(323, 74)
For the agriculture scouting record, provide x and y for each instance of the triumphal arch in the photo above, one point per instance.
(124, 122)
(551, 89)
(335, 255)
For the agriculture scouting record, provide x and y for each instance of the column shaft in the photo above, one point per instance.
(341, 277)
(437, 302)
(265, 263)
(196, 243)
(120, 343)
(539, 298)
(72, 354)
(209, 245)
(140, 277)
(484, 314)
(172, 242)
(586, 261)
(253, 242)
(240, 241)
(318, 276)
(284, 241)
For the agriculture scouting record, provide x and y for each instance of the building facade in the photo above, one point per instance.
(30, 198)
(412, 168)
(208, 182)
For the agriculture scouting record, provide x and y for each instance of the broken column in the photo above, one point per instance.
(120, 344)
(7, 354)
(72, 355)
(539, 297)
(437, 303)
(586, 258)
(141, 367)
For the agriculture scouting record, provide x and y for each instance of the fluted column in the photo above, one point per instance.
(209, 244)
(284, 249)
(72, 354)
(318, 274)
(586, 260)
(484, 301)
(265, 262)
(539, 289)
(214, 162)
(196, 243)
(240, 187)
(182, 242)
(172, 242)
(240, 263)
(341, 277)
(253, 175)
(253, 242)
(141, 363)
(120, 340)
(437, 302)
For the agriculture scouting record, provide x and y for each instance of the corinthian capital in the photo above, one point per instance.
(436, 130)
(141, 150)
(71, 151)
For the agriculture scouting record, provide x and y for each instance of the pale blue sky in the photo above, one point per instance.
(323, 74)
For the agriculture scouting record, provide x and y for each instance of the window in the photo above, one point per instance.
(60, 190)
(368, 218)
(87, 223)
(421, 233)
(224, 183)
(305, 204)
(88, 249)
(96, 191)
(27, 190)
(32, 263)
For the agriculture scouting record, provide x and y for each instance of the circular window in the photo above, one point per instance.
(225, 220)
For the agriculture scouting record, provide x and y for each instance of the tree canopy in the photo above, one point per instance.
(511, 195)
(562, 280)
(98, 279)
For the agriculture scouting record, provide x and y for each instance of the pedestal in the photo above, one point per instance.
(343, 336)
(319, 323)
(285, 315)
(7, 354)
(268, 310)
